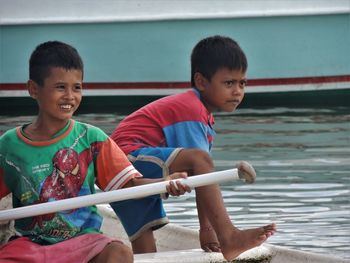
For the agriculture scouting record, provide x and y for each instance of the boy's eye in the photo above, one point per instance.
(230, 82)
(243, 83)
(60, 87)
(78, 87)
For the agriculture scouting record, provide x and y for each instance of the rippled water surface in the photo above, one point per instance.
(302, 159)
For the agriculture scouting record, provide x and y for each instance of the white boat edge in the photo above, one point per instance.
(179, 244)
(96, 92)
(14, 12)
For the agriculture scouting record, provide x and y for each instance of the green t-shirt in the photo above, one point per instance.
(69, 165)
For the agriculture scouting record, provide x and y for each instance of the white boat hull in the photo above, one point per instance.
(137, 51)
(180, 244)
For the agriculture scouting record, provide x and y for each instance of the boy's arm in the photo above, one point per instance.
(189, 134)
(114, 171)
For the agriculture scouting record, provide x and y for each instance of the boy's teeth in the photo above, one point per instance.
(66, 106)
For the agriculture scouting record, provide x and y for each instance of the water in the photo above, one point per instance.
(302, 159)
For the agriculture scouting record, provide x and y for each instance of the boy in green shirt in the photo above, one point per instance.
(55, 158)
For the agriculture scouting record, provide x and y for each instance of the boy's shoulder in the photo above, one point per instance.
(9, 141)
(185, 101)
(8, 134)
(185, 106)
(85, 125)
(182, 97)
(88, 128)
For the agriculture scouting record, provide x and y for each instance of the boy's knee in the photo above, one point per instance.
(119, 253)
(199, 155)
(126, 254)
(199, 158)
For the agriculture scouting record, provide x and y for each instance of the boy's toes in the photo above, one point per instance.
(211, 247)
(269, 230)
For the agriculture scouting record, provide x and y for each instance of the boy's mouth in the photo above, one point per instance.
(66, 106)
(236, 102)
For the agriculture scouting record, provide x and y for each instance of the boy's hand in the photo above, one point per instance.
(177, 188)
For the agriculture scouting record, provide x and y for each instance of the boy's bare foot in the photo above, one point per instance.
(208, 239)
(242, 240)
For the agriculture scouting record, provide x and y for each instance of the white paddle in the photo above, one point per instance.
(244, 172)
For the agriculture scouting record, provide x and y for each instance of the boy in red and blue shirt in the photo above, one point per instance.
(176, 133)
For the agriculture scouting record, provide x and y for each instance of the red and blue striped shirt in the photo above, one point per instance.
(179, 120)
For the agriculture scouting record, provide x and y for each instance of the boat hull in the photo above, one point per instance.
(179, 244)
(129, 103)
(297, 56)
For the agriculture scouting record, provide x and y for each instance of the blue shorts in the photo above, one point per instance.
(138, 215)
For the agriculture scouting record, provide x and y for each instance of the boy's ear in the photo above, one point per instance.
(200, 81)
(32, 89)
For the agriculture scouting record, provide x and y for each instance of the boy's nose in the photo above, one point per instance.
(69, 93)
(237, 90)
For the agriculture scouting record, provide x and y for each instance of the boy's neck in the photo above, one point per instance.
(39, 131)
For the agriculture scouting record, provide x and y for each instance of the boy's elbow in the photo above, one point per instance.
(132, 182)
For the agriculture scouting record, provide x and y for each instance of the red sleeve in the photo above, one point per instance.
(4, 191)
(113, 168)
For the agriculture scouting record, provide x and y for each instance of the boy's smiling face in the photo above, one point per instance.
(224, 92)
(60, 95)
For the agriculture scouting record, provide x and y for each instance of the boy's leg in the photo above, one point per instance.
(114, 252)
(139, 218)
(212, 209)
(198, 162)
(142, 216)
(207, 236)
(82, 248)
(87, 247)
(145, 243)
(21, 249)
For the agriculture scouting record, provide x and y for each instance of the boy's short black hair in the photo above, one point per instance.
(216, 52)
(52, 54)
